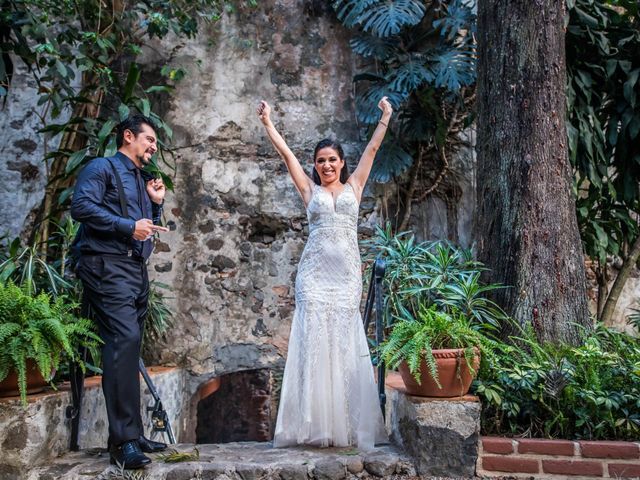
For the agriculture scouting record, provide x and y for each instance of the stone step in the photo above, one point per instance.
(241, 461)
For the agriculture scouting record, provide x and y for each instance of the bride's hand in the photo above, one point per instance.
(385, 106)
(264, 112)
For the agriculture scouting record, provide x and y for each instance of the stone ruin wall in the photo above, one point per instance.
(237, 224)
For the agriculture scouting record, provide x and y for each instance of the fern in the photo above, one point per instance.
(414, 340)
(37, 328)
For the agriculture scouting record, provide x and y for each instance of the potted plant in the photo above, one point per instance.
(437, 353)
(36, 333)
(434, 302)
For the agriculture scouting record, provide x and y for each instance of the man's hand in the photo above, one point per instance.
(156, 190)
(145, 229)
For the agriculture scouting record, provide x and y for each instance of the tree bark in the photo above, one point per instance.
(526, 226)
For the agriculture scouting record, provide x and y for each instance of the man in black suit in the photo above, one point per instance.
(120, 212)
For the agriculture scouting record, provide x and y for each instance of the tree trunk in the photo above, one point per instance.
(527, 228)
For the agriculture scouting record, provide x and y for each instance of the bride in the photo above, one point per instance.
(329, 396)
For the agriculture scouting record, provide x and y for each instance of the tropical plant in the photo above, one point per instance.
(634, 319)
(25, 266)
(431, 273)
(41, 329)
(413, 339)
(421, 55)
(158, 319)
(84, 58)
(559, 391)
(603, 130)
(28, 267)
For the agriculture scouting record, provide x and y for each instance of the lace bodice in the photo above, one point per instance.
(322, 212)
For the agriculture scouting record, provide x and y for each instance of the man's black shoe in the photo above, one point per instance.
(149, 446)
(128, 455)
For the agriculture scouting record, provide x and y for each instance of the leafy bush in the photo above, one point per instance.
(558, 391)
(432, 273)
(41, 329)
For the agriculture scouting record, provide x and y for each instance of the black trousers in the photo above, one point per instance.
(117, 290)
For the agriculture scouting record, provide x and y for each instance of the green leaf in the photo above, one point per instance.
(454, 68)
(634, 127)
(133, 77)
(123, 111)
(410, 76)
(585, 18)
(65, 195)
(603, 238)
(111, 148)
(160, 88)
(367, 104)
(62, 70)
(629, 87)
(75, 160)
(384, 19)
(145, 107)
(390, 162)
(105, 131)
(370, 46)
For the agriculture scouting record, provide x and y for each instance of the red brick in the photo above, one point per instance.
(573, 467)
(546, 447)
(610, 449)
(624, 470)
(497, 445)
(509, 464)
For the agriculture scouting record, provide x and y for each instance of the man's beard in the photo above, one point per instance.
(144, 161)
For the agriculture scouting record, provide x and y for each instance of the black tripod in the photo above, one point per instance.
(159, 417)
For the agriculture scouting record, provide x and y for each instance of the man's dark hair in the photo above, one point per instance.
(133, 123)
(328, 142)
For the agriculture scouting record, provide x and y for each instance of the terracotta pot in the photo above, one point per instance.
(35, 381)
(453, 373)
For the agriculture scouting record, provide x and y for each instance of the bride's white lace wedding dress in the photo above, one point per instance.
(329, 396)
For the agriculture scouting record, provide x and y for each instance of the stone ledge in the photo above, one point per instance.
(439, 434)
(34, 435)
(247, 461)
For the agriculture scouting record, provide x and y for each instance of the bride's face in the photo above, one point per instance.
(328, 164)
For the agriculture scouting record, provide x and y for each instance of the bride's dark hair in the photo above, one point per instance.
(324, 143)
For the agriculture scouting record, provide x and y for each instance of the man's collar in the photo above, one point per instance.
(126, 160)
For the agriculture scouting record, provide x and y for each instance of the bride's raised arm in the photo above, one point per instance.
(359, 177)
(301, 180)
